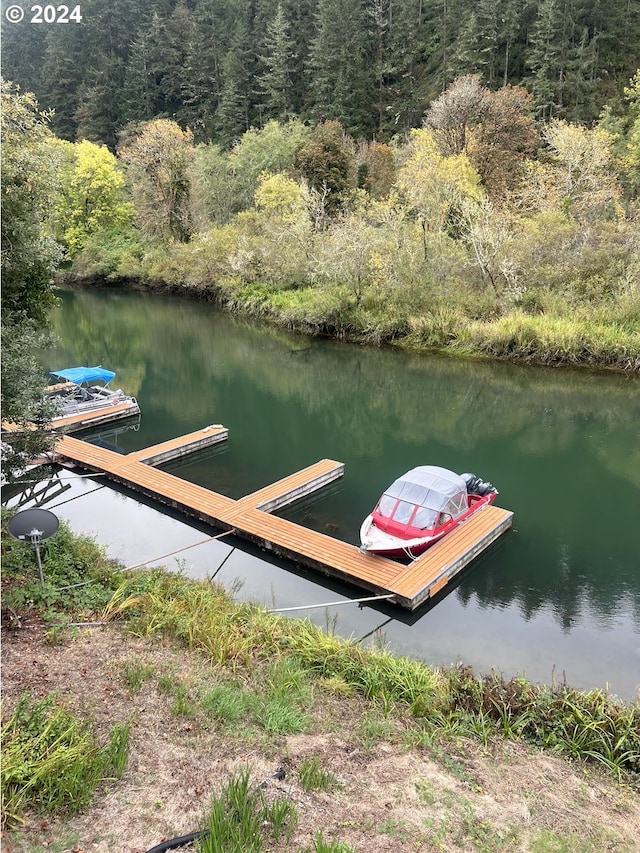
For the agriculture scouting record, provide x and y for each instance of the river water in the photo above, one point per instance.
(558, 597)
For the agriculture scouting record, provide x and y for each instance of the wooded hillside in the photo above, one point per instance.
(222, 66)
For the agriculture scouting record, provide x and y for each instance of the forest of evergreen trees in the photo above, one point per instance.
(222, 66)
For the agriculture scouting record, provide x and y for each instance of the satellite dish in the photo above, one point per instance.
(34, 525)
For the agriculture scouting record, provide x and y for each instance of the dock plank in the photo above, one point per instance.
(345, 560)
(433, 569)
(181, 446)
(296, 485)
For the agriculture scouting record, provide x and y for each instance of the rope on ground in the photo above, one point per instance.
(333, 603)
(178, 550)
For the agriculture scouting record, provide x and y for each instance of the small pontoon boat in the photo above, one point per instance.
(74, 392)
(420, 508)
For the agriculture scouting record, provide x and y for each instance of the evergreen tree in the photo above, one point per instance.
(138, 87)
(212, 36)
(177, 57)
(275, 81)
(63, 72)
(410, 39)
(23, 48)
(464, 55)
(340, 83)
(232, 116)
(301, 17)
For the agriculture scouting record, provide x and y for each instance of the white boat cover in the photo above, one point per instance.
(433, 487)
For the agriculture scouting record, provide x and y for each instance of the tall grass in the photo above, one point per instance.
(52, 761)
(555, 340)
(240, 818)
(590, 726)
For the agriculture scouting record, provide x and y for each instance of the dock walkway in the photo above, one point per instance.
(250, 518)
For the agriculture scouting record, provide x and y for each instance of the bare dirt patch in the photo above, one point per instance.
(386, 796)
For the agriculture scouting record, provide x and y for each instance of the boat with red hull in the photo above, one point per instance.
(420, 508)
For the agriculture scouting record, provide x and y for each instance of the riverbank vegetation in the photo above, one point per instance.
(255, 680)
(519, 245)
(483, 231)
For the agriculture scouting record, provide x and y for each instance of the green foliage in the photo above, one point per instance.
(240, 818)
(280, 708)
(67, 561)
(272, 150)
(29, 255)
(228, 702)
(135, 672)
(432, 184)
(321, 845)
(29, 258)
(327, 164)
(111, 254)
(22, 395)
(158, 156)
(555, 340)
(417, 254)
(52, 761)
(622, 123)
(221, 68)
(589, 726)
(276, 78)
(92, 197)
(313, 777)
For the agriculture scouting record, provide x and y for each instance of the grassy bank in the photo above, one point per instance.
(268, 678)
(567, 294)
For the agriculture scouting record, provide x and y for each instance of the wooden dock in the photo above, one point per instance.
(249, 517)
(175, 448)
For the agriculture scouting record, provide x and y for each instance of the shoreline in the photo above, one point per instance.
(219, 295)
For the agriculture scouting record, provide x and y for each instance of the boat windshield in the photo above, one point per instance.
(431, 489)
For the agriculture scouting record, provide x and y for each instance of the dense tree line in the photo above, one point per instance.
(219, 67)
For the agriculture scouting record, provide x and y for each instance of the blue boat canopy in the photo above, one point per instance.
(80, 375)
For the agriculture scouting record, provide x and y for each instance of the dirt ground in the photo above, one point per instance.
(390, 797)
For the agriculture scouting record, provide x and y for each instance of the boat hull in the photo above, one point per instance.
(376, 541)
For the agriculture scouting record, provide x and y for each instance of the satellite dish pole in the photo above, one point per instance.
(34, 525)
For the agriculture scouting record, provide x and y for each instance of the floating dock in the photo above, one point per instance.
(249, 517)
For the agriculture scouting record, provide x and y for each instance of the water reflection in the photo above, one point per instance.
(562, 447)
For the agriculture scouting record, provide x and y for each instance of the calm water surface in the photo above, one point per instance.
(558, 596)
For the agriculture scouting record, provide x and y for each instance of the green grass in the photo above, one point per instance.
(52, 761)
(79, 579)
(228, 703)
(320, 845)
(183, 704)
(135, 672)
(313, 777)
(240, 819)
(555, 340)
